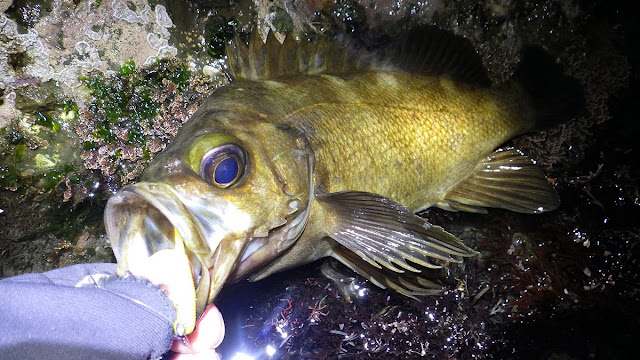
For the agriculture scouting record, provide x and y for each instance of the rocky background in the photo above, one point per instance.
(90, 91)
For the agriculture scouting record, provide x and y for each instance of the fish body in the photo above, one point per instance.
(404, 136)
(285, 166)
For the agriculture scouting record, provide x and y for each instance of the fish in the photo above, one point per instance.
(317, 150)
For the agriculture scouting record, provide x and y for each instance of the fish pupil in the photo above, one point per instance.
(226, 171)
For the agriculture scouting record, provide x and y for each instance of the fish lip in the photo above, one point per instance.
(140, 220)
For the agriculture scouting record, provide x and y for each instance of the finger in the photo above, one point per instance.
(208, 334)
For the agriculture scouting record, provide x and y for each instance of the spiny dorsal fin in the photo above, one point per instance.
(506, 179)
(270, 59)
(426, 50)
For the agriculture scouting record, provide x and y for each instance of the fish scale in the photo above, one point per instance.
(422, 143)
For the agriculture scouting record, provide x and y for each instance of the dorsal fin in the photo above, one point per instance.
(425, 50)
(270, 59)
(431, 51)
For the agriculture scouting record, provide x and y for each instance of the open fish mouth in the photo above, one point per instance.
(143, 219)
(147, 221)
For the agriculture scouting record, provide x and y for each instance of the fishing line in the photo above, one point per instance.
(100, 281)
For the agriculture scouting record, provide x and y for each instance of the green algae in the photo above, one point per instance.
(131, 113)
(219, 34)
(51, 179)
(9, 176)
(126, 100)
(127, 68)
(45, 119)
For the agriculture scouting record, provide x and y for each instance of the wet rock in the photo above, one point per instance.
(32, 98)
(5, 4)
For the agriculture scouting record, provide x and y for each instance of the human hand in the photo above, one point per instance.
(83, 312)
(167, 270)
(86, 311)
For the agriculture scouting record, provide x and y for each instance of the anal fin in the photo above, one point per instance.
(506, 179)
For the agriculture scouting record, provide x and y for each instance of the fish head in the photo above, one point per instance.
(231, 192)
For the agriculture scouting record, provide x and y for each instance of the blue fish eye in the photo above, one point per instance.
(223, 166)
(226, 171)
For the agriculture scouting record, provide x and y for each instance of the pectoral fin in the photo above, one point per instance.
(506, 179)
(386, 234)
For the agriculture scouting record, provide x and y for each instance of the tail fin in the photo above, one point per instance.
(555, 96)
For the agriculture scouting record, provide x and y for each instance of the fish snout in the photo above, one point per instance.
(145, 218)
(146, 222)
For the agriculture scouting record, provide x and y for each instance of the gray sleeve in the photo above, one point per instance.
(83, 312)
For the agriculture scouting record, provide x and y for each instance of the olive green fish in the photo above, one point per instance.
(315, 151)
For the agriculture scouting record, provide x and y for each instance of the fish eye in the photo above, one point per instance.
(223, 166)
